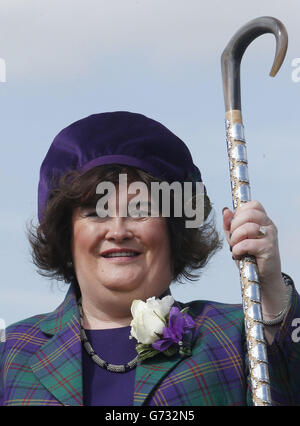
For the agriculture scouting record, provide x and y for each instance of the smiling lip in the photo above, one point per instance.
(120, 250)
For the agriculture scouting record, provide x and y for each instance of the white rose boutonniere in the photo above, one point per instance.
(149, 318)
(158, 327)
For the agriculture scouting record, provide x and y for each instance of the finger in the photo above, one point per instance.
(249, 216)
(253, 247)
(254, 204)
(249, 231)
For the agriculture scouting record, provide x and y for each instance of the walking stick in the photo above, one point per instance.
(240, 186)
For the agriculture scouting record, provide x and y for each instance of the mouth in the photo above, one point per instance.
(123, 254)
(114, 255)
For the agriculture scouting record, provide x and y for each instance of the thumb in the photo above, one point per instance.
(227, 217)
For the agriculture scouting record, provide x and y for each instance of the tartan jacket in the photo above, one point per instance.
(41, 361)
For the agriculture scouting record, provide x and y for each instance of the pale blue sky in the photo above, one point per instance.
(68, 59)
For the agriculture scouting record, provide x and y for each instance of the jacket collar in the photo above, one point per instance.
(59, 319)
(58, 363)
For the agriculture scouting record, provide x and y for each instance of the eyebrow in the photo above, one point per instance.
(140, 204)
(145, 203)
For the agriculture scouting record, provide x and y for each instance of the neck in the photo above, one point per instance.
(93, 318)
(111, 311)
(91, 322)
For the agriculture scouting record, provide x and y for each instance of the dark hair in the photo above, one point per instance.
(50, 241)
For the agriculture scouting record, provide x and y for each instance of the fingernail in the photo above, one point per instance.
(230, 248)
(230, 234)
(233, 258)
(224, 208)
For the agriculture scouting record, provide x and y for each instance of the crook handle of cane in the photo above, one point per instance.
(240, 186)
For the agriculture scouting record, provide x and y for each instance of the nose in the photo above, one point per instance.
(118, 229)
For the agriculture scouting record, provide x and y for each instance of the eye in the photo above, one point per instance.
(92, 214)
(138, 213)
(140, 210)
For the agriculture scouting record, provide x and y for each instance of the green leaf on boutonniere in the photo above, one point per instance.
(161, 318)
(185, 350)
(184, 310)
(145, 351)
(170, 351)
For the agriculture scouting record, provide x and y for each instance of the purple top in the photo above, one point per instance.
(102, 387)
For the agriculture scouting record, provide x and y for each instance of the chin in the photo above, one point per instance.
(122, 286)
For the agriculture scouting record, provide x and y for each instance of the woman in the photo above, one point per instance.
(120, 268)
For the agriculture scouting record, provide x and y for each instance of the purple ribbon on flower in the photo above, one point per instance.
(179, 324)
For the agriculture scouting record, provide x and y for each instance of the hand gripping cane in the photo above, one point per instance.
(236, 147)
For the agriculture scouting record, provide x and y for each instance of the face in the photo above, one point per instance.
(120, 257)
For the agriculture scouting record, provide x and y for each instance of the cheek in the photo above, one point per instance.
(156, 237)
(83, 238)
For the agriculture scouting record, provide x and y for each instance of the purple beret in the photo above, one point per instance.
(119, 137)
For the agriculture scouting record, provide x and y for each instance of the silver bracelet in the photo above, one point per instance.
(278, 319)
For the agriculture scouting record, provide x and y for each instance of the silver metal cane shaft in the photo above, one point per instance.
(240, 186)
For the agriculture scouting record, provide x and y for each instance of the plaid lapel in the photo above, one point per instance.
(57, 364)
(152, 371)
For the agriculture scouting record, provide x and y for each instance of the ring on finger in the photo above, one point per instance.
(262, 232)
